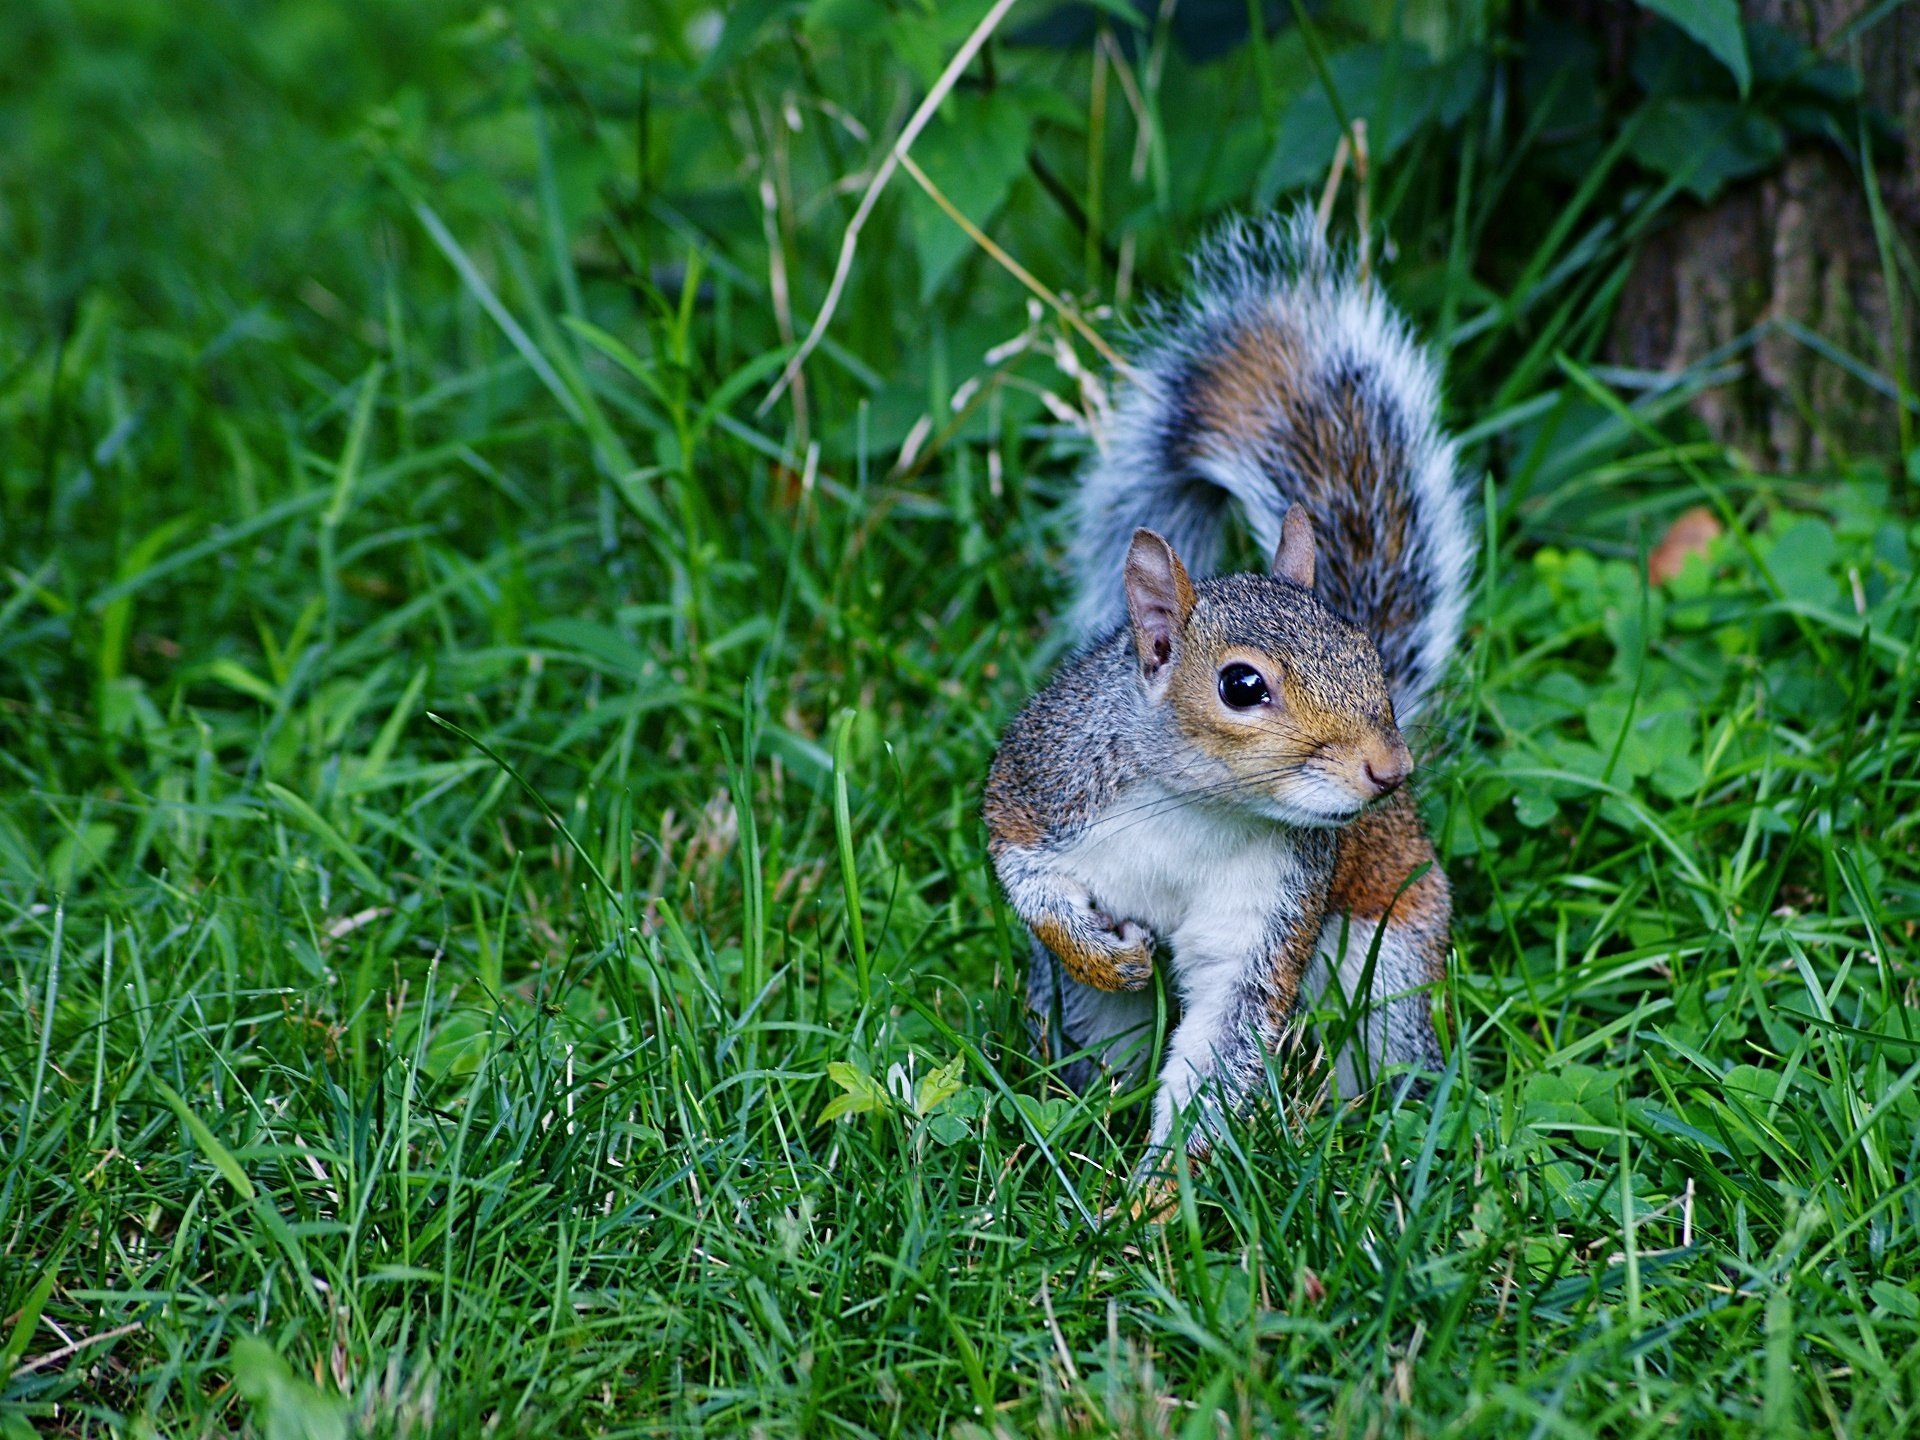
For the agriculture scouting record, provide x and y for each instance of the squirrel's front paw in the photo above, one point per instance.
(1133, 960)
(1099, 950)
(1127, 947)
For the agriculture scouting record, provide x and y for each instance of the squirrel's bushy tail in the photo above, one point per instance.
(1283, 379)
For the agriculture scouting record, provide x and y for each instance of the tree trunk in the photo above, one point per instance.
(1795, 247)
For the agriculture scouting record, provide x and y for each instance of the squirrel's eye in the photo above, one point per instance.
(1242, 688)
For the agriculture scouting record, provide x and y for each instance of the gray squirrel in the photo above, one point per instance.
(1214, 782)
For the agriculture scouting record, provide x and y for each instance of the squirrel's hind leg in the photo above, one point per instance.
(1387, 1022)
(1064, 1016)
(1383, 945)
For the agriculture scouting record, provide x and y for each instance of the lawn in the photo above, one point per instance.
(495, 928)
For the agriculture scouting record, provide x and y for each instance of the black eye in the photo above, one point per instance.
(1242, 688)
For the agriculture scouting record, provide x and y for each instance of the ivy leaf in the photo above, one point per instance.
(1716, 25)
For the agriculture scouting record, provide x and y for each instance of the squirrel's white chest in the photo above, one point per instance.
(1204, 879)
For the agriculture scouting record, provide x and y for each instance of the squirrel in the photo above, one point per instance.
(1216, 780)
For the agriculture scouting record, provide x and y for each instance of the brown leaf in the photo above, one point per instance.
(1690, 534)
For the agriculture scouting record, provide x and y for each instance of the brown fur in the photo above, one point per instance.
(1330, 703)
(1011, 816)
(1259, 390)
(1090, 967)
(1252, 743)
(1256, 374)
(1379, 849)
(1291, 957)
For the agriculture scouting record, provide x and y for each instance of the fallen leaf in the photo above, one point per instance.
(1690, 534)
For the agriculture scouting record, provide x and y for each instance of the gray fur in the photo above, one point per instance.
(1064, 1018)
(1225, 1064)
(1282, 380)
(1166, 467)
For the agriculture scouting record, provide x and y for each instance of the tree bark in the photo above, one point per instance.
(1795, 247)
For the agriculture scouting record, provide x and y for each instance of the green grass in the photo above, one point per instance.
(476, 792)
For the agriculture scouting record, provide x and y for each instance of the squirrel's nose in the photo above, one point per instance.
(1386, 770)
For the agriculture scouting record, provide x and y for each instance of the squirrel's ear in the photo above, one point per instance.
(1293, 561)
(1159, 598)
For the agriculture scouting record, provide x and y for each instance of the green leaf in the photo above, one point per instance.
(735, 385)
(864, 1093)
(1803, 560)
(1394, 88)
(923, 36)
(285, 1407)
(1895, 1300)
(1043, 1115)
(1577, 1098)
(947, 1128)
(221, 1157)
(1576, 758)
(1634, 753)
(1750, 1082)
(235, 676)
(1705, 143)
(602, 643)
(1716, 25)
(741, 33)
(117, 616)
(846, 17)
(458, 1045)
(621, 354)
(1130, 15)
(1534, 809)
(973, 153)
(1650, 1117)
(937, 1085)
